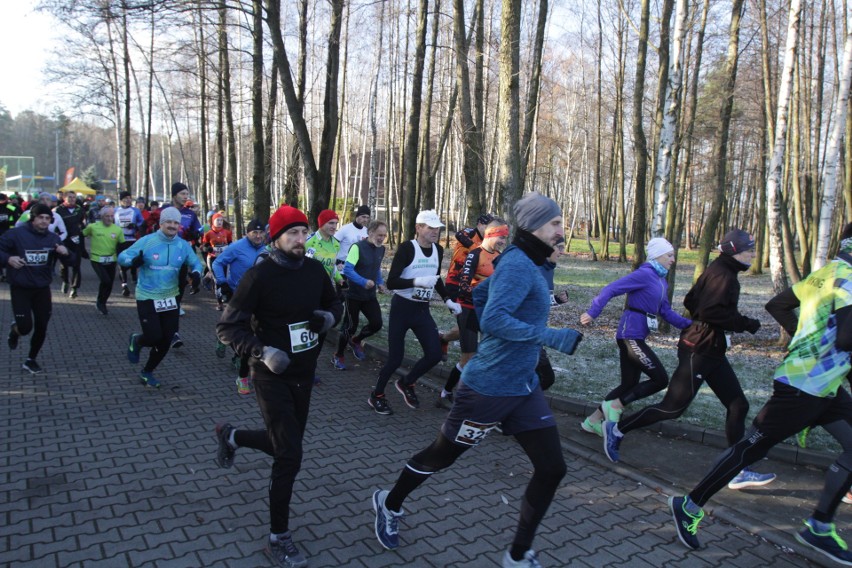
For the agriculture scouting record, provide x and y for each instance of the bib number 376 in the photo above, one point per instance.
(302, 338)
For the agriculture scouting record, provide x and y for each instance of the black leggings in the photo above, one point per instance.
(404, 315)
(122, 272)
(371, 310)
(637, 358)
(105, 272)
(541, 446)
(69, 273)
(158, 328)
(32, 308)
(692, 370)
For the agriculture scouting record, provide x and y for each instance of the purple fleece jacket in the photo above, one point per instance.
(646, 291)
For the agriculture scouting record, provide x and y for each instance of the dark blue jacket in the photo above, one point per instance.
(37, 249)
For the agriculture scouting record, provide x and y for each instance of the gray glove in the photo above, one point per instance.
(321, 321)
(564, 340)
(426, 281)
(276, 360)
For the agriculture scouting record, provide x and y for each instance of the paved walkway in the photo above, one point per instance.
(96, 470)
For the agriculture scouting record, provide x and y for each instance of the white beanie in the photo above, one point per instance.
(657, 247)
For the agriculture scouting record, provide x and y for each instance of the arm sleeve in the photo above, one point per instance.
(87, 230)
(468, 271)
(782, 308)
(672, 316)
(717, 304)
(440, 287)
(125, 258)
(621, 286)
(60, 224)
(404, 256)
(505, 292)
(234, 327)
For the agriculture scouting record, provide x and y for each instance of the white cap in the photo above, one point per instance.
(430, 218)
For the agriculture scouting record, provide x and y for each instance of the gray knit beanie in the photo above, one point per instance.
(534, 210)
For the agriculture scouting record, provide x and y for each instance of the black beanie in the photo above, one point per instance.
(177, 187)
(40, 209)
(124, 194)
(363, 210)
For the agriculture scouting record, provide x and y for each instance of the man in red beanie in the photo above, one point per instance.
(280, 308)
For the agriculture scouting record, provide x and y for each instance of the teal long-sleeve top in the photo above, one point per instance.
(162, 261)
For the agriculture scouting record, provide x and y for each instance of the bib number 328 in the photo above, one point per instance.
(302, 338)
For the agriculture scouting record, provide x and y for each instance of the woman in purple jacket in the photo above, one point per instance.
(647, 297)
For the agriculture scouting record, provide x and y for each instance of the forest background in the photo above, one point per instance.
(675, 118)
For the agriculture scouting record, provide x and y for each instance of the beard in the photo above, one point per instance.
(295, 253)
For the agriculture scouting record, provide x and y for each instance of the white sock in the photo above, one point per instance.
(231, 441)
(444, 393)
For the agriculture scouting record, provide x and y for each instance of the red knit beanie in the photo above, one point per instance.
(325, 216)
(285, 218)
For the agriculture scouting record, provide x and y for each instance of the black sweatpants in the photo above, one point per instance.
(32, 308)
(371, 310)
(637, 358)
(788, 411)
(692, 370)
(70, 272)
(158, 328)
(404, 315)
(284, 404)
(105, 272)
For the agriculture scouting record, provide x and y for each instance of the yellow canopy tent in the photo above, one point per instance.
(77, 186)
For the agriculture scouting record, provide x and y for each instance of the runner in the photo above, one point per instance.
(9, 214)
(56, 226)
(160, 258)
(74, 219)
(190, 231)
(647, 297)
(28, 253)
(228, 270)
(130, 220)
(363, 271)
(213, 243)
(712, 301)
(353, 232)
(499, 384)
(807, 391)
(275, 316)
(466, 240)
(415, 274)
(106, 238)
(477, 266)
(322, 245)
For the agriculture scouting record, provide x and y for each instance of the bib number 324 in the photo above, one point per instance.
(302, 338)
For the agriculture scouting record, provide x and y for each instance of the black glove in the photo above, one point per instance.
(321, 321)
(561, 297)
(195, 283)
(138, 262)
(752, 325)
(224, 291)
(462, 237)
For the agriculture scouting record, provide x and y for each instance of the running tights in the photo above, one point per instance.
(32, 308)
(544, 451)
(637, 358)
(371, 310)
(692, 370)
(404, 315)
(158, 328)
(105, 272)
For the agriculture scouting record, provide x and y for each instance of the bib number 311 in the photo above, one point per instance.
(302, 338)
(165, 305)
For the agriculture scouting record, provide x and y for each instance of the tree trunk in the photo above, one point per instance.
(412, 200)
(508, 119)
(233, 184)
(640, 149)
(531, 111)
(260, 197)
(125, 177)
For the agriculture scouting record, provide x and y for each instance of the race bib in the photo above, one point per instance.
(653, 325)
(36, 257)
(422, 294)
(75, 239)
(302, 338)
(123, 223)
(218, 249)
(106, 259)
(165, 305)
(471, 433)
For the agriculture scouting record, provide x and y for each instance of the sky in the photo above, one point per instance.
(25, 44)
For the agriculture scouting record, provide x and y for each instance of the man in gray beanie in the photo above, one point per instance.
(499, 385)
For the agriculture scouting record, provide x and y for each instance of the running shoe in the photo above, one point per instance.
(408, 394)
(528, 561)
(101, 308)
(847, 498)
(33, 367)
(220, 349)
(357, 350)
(387, 522)
(592, 427)
(133, 348)
(177, 342)
(125, 291)
(444, 402)
(225, 452)
(610, 412)
(337, 363)
(802, 437)
(445, 347)
(611, 440)
(148, 379)
(749, 478)
(64, 288)
(284, 552)
(13, 338)
(181, 312)
(825, 541)
(379, 404)
(244, 386)
(685, 522)
(73, 293)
